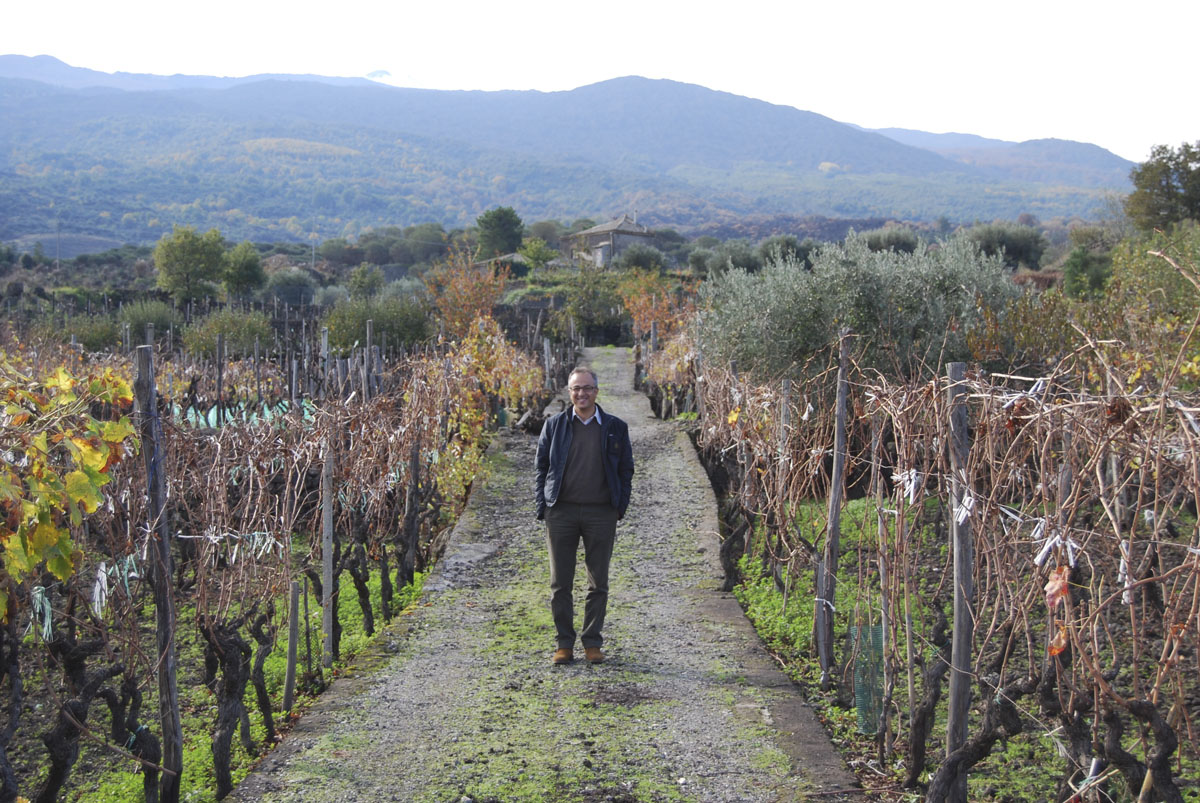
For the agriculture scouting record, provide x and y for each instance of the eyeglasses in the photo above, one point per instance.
(583, 389)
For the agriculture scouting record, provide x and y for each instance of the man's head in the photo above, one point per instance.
(583, 385)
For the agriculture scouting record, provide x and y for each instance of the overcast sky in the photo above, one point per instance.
(1122, 76)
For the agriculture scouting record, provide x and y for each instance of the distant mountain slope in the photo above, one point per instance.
(1076, 164)
(1045, 161)
(50, 70)
(268, 158)
(940, 143)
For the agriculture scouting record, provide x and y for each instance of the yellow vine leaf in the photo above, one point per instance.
(16, 558)
(733, 416)
(91, 455)
(81, 489)
(43, 536)
(58, 559)
(116, 431)
(61, 380)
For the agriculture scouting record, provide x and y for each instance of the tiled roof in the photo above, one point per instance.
(623, 224)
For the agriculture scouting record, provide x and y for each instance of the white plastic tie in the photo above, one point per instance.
(1123, 575)
(963, 511)
(100, 590)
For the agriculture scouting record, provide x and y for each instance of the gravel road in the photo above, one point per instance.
(459, 701)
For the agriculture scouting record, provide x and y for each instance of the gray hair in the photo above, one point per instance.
(583, 369)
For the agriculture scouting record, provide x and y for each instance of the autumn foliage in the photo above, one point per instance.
(57, 458)
(463, 292)
(650, 298)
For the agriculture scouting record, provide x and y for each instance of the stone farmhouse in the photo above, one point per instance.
(601, 244)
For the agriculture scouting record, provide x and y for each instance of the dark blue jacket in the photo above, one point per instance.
(554, 445)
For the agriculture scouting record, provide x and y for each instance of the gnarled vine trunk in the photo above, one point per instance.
(232, 655)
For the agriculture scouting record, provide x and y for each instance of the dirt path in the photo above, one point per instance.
(462, 703)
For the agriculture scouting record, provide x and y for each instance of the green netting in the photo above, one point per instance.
(868, 676)
(233, 412)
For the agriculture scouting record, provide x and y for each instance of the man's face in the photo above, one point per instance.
(582, 387)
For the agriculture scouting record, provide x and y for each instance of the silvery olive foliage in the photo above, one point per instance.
(908, 311)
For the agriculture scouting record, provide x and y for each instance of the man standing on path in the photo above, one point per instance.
(584, 478)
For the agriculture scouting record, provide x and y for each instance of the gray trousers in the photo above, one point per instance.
(566, 525)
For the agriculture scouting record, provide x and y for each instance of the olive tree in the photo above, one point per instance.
(909, 310)
(893, 238)
(1017, 244)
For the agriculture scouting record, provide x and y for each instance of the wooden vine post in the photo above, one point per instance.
(963, 553)
(367, 363)
(782, 472)
(220, 379)
(327, 553)
(883, 733)
(827, 568)
(257, 374)
(326, 549)
(293, 647)
(326, 372)
(150, 430)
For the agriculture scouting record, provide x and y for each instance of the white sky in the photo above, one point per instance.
(1120, 75)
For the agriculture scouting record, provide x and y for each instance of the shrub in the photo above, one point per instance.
(463, 293)
(698, 260)
(91, 332)
(892, 238)
(1085, 273)
(1146, 284)
(365, 281)
(239, 328)
(1019, 245)
(139, 313)
(644, 257)
(292, 286)
(403, 321)
(594, 305)
(786, 246)
(331, 295)
(95, 333)
(735, 254)
(908, 309)
(408, 287)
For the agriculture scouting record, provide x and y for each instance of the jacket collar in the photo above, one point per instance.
(596, 416)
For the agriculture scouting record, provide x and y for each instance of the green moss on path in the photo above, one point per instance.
(466, 705)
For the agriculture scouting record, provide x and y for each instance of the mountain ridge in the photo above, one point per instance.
(128, 163)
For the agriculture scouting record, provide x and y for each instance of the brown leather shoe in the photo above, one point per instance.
(594, 655)
(563, 655)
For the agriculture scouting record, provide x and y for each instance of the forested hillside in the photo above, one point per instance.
(276, 159)
(1045, 161)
